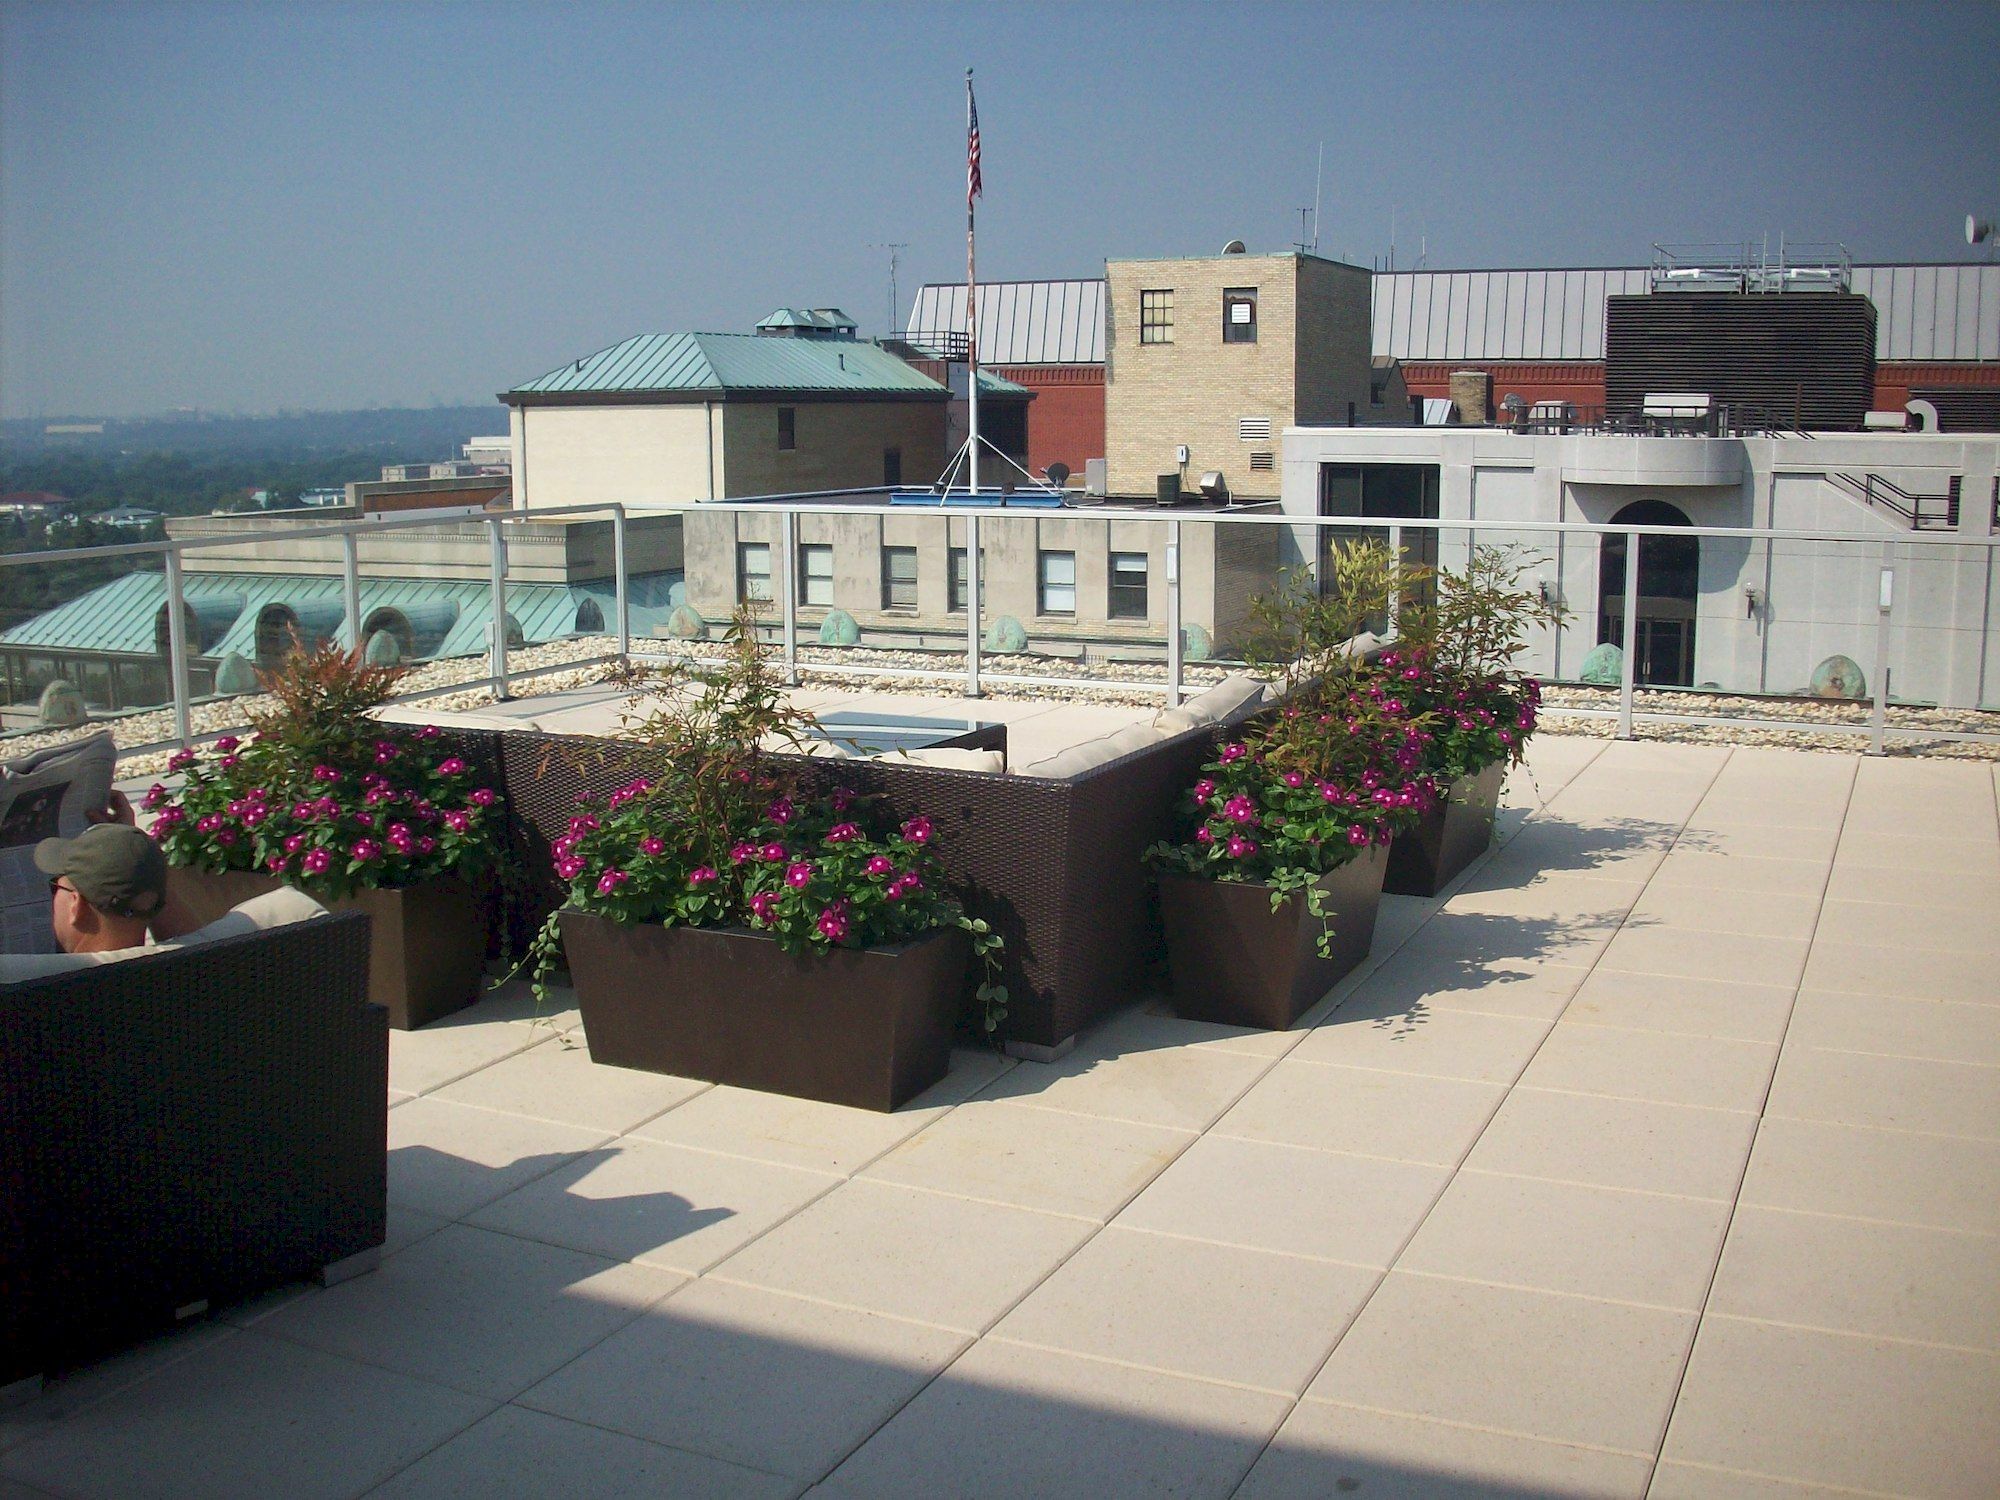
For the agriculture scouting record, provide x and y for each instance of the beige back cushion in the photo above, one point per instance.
(954, 758)
(1235, 697)
(274, 909)
(1093, 753)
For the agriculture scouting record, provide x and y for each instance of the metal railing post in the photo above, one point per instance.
(497, 655)
(350, 591)
(1395, 579)
(789, 608)
(1628, 666)
(622, 583)
(1878, 715)
(1173, 614)
(177, 660)
(972, 601)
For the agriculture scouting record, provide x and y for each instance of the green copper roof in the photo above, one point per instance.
(720, 362)
(120, 616)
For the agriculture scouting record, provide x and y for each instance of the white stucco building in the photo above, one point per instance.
(1740, 613)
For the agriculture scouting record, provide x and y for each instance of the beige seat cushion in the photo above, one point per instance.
(1177, 721)
(274, 909)
(1093, 753)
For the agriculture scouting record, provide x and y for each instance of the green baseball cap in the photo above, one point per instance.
(113, 866)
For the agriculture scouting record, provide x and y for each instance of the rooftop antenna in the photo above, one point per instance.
(1319, 172)
(895, 303)
(1392, 237)
(1303, 243)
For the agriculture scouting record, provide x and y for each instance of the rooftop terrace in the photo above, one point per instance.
(1661, 1156)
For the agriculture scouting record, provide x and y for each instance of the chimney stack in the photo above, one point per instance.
(1472, 394)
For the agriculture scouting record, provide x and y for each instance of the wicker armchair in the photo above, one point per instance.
(185, 1128)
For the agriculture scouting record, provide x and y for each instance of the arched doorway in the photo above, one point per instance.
(1669, 584)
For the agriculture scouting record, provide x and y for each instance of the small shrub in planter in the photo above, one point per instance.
(721, 923)
(1271, 896)
(1456, 666)
(350, 810)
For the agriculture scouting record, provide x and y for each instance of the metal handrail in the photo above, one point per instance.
(1886, 494)
(843, 503)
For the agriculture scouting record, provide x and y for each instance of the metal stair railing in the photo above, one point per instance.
(1919, 512)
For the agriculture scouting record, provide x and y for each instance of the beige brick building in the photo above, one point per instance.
(1220, 355)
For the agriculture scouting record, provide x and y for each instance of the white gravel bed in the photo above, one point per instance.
(1124, 683)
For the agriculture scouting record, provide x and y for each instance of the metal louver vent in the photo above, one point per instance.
(1262, 459)
(1253, 429)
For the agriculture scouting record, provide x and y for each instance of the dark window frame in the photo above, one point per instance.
(956, 578)
(891, 584)
(807, 577)
(1043, 583)
(788, 429)
(1234, 332)
(744, 573)
(1127, 600)
(1156, 315)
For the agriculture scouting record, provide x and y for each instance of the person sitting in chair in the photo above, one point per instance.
(107, 885)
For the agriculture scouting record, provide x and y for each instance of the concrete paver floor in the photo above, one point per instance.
(1662, 1157)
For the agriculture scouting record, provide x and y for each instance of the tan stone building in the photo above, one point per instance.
(1215, 357)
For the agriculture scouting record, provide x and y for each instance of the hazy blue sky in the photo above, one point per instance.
(249, 207)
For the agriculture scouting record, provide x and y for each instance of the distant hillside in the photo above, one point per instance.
(399, 434)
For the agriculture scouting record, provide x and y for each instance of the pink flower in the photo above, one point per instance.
(652, 845)
(1203, 790)
(701, 875)
(155, 795)
(833, 923)
(918, 830)
(481, 797)
(569, 867)
(1203, 836)
(384, 754)
(771, 853)
(277, 864)
(1233, 753)
(364, 849)
(740, 852)
(799, 873)
(451, 765)
(457, 822)
(295, 843)
(315, 861)
(881, 864)
(1239, 847)
(1328, 792)
(228, 762)
(325, 773)
(780, 812)
(227, 743)
(763, 906)
(1357, 835)
(842, 833)
(180, 760)
(226, 838)
(610, 880)
(428, 732)
(1240, 809)
(209, 823)
(168, 817)
(1295, 778)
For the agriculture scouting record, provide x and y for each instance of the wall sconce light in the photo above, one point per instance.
(1753, 599)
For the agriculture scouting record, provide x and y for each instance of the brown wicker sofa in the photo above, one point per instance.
(184, 1128)
(1053, 862)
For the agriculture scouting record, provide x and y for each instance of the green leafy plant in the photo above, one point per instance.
(723, 836)
(324, 797)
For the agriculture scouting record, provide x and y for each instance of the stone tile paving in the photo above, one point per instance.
(1661, 1158)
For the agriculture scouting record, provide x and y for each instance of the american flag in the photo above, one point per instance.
(973, 186)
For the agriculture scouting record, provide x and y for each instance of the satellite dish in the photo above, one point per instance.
(1977, 231)
(1058, 473)
(1234, 247)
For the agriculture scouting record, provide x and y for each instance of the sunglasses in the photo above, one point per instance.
(56, 884)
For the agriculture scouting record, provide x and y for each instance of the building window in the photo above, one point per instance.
(1156, 317)
(1239, 315)
(788, 435)
(892, 466)
(899, 577)
(956, 594)
(1128, 586)
(1057, 594)
(815, 573)
(753, 572)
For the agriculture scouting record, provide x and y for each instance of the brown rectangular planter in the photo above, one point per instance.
(1451, 836)
(867, 1027)
(427, 943)
(1235, 960)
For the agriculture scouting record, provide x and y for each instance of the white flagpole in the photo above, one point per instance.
(971, 313)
